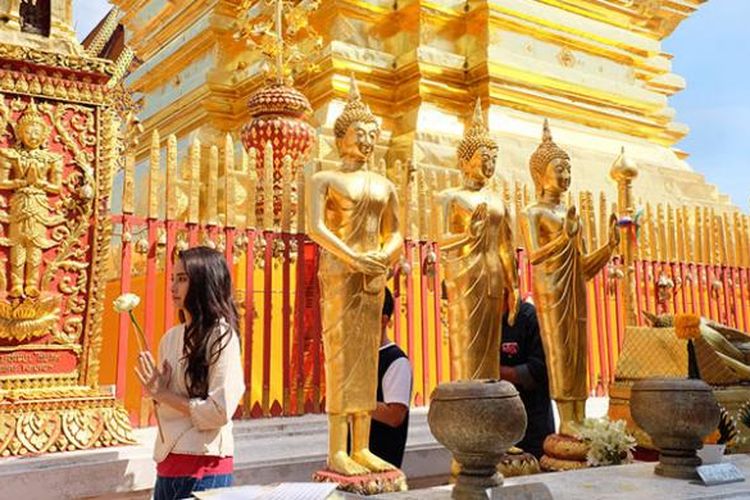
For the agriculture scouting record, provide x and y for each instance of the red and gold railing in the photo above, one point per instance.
(702, 268)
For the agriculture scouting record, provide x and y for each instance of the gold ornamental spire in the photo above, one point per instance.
(279, 35)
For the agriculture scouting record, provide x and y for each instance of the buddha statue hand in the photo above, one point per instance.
(614, 232)
(572, 225)
(370, 263)
(478, 220)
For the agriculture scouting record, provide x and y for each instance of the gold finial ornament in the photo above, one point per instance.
(475, 136)
(354, 111)
(279, 40)
(544, 154)
(279, 111)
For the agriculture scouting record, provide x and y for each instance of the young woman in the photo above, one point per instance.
(198, 383)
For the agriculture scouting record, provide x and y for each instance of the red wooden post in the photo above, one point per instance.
(168, 267)
(743, 290)
(619, 319)
(730, 316)
(637, 267)
(703, 275)
(590, 345)
(150, 302)
(713, 303)
(124, 320)
(697, 300)
(229, 234)
(423, 314)
(286, 322)
(655, 280)
(249, 319)
(601, 333)
(317, 340)
(607, 334)
(299, 322)
(267, 323)
(409, 245)
(740, 304)
(678, 270)
(150, 299)
(397, 304)
(438, 290)
(193, 230)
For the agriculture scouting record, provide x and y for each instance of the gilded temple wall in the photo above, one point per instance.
(594, 67)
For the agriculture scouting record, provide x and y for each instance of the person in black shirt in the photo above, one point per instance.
(390, 420)
(522, 363)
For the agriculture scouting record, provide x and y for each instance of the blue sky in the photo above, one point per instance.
(711, 50)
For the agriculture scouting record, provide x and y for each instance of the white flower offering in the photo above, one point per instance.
(609, 442)
(125, 303)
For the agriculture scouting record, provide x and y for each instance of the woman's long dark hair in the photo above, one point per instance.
(208, 300)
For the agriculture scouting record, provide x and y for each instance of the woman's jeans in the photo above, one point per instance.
(171, 488)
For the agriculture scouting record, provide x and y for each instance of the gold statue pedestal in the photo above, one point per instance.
(374, 483)
(563, 452)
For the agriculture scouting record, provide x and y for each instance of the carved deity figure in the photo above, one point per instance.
(353, 215)
(476, 244)
(561, 267)
(32, 173)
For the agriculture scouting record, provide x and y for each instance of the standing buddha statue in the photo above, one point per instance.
(353, 216)
(561, 268)
(478, 258)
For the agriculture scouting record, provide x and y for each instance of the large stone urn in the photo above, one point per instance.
(477, 421)
(677, 414)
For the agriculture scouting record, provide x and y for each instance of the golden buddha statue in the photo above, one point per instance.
(353, 216)
(478, 258)
(561, 268)
(32, 173)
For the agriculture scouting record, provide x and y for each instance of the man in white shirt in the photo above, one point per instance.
(390, 420)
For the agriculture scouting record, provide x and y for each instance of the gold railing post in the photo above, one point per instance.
(623, 172)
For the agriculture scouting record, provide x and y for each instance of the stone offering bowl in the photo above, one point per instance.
(477, 421)
(677, 414)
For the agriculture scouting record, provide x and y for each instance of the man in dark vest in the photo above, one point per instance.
(390, 420)
(522, 363)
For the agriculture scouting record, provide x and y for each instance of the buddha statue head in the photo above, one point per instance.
(356, 129)
(549, 166)
(477, 151)
(31, 128)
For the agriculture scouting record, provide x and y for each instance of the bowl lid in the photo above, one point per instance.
(474, 389)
